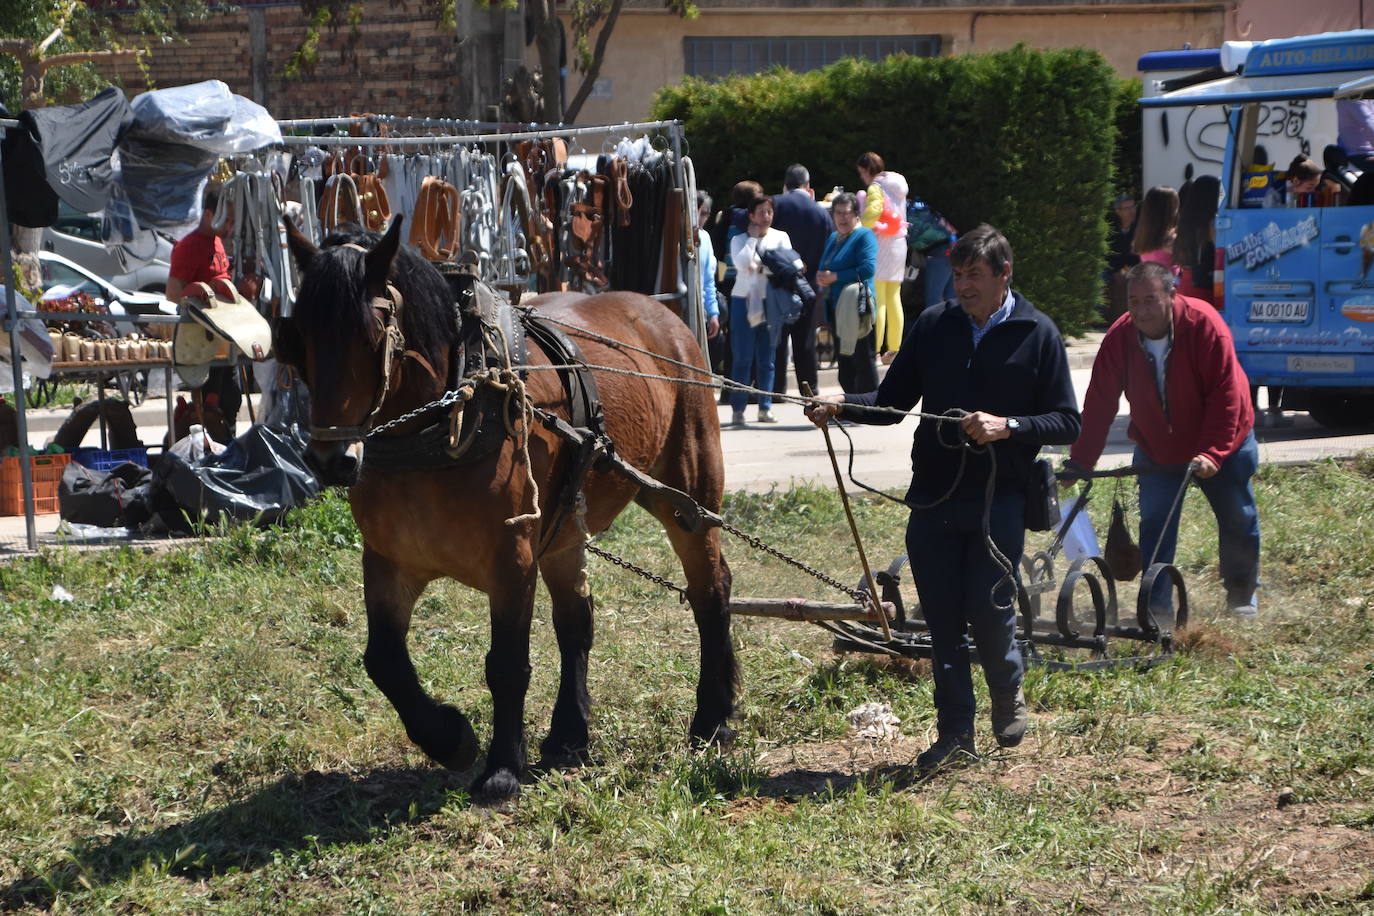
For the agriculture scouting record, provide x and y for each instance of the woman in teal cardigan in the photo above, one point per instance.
(850, 256)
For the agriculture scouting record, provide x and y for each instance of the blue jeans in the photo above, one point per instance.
(939, 278)
(955, 575)
(1233, 501)
(751, 354)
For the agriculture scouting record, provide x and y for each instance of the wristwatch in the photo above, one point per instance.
(1013, 424)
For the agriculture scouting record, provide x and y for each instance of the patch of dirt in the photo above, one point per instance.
(1260, 836)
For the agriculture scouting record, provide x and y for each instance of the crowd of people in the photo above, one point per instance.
(851, 248)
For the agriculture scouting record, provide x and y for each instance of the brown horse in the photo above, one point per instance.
(421, 524)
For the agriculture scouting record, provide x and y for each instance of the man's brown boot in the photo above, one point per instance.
(1009, 715)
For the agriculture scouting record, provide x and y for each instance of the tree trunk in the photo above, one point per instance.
(549, 43)
(598, 55)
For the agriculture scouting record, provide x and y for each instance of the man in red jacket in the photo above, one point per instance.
(1174, 359)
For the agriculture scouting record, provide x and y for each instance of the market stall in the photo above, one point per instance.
(581, 208)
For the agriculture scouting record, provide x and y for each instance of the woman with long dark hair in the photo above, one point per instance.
(1156, 226)
(1195, 247)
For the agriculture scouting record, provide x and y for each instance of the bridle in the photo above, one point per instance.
(389, 306)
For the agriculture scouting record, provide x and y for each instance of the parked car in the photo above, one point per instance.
(76, 237)
(62, 277)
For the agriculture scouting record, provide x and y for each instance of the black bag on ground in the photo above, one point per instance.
(114, 499)
(257, 478)
(1042, 497)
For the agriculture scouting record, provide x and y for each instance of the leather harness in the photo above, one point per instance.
(492, 342)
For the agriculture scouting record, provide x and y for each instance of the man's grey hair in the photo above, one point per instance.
(795, 177)
(982, 244)
(1151, 270)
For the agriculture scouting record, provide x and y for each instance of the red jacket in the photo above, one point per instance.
(1207, 410)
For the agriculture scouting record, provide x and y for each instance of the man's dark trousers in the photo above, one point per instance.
(955, 575)
(800, 338)
(808, 226)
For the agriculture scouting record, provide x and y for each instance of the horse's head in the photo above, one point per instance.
(343, 336)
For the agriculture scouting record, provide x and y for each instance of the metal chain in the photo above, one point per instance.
(639, 570)
(858, 594)
(448, 399)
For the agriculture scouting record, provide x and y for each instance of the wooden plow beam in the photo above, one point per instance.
(806, 610)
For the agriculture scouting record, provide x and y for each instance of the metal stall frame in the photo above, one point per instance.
(689, 292)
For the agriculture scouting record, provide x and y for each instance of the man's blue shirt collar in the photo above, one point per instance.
(999, 316)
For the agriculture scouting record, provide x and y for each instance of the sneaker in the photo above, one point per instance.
(948, 750)
(766, 416)
(1244, 606)
(737, 418)
(1009, 715)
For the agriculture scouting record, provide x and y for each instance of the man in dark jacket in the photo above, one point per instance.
(796, 212)
(997, 364)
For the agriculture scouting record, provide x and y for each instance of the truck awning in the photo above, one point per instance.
(1238, 89)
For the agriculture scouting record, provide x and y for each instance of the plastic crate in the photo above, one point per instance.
(46, 471)
(99, 459)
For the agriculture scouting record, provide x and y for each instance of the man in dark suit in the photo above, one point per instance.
(796, 212)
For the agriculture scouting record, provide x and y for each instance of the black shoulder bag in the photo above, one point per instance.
(1042, 497)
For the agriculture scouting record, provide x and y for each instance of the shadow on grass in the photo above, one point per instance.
(295, 813)
(796, 784)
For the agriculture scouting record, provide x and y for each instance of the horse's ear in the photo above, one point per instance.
(380, 257)
(301, 247)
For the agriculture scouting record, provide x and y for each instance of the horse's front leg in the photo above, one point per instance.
(441, 731)
(511, 594)
(565, 576)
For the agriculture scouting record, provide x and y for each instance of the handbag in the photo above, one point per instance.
(1121, 551)
(1042, 497)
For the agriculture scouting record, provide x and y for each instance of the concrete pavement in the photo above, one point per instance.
(759, 457)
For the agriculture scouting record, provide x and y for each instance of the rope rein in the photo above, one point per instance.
(508, 381)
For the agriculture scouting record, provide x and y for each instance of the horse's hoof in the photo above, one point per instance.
(497, 785)
(561, 758)
(451, 741)
(721, 735)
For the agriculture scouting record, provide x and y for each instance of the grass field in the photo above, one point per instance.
(194, 733)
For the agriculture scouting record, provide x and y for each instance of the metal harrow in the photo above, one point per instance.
(1068, 624)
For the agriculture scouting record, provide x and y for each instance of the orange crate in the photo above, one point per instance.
(46, 471)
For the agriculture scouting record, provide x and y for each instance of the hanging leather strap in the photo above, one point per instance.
(437, 221)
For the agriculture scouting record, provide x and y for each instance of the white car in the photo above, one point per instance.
(62, 277)
(76, 237)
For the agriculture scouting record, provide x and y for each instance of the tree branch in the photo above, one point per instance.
(21, 48)
(598, 53)
(81, 57)
(57, 32)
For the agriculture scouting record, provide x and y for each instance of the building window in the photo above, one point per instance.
(716, 57)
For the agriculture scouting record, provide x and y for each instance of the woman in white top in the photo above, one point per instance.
(884, 211)
(751, 347)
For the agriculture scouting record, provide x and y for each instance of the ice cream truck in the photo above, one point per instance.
(1293, 279)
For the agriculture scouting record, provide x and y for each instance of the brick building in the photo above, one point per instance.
(398, 61)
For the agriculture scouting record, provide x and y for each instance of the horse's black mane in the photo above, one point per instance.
(333, 301)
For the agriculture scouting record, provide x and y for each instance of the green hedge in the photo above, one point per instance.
(1020, 139)
(1127, 178)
